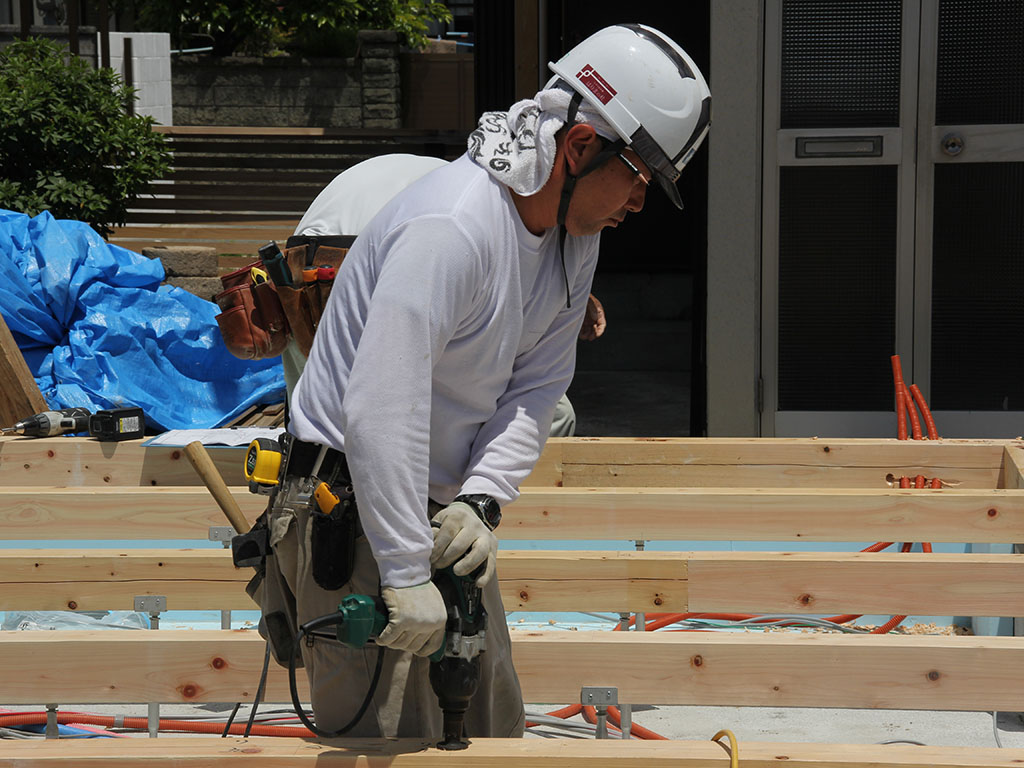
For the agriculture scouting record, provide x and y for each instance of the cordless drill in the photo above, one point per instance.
(51, 423)
(455, 666)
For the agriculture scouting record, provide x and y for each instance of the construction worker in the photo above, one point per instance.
(448, 337)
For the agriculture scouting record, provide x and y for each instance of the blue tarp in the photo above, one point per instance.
(99, 331)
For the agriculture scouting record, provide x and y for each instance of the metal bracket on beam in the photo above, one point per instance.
(151, 603)
(600, 697)
(221, 533)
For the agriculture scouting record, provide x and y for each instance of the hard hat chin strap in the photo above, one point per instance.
(608, 150)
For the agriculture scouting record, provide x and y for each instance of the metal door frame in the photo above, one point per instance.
(899, 148)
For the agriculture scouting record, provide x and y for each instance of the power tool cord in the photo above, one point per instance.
(304, 632)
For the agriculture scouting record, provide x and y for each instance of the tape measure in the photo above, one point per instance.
(263, 464)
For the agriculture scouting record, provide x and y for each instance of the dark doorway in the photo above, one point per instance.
(646, 375)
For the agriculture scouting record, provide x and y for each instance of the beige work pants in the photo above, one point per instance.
(404, 704)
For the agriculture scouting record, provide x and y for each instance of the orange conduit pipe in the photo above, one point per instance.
(926, 414)
(142, 723)
(915, 422)
(901, 404)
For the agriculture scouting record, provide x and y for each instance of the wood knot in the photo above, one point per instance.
(219, 663)
(934, 675)
(152, 482)
(993, 512)
(805, 599)
(27, 466)
(51, 454)
(524, 595)
(72, 605)
(697, 661)
(106, 478)
(775, 688)
(544, 513)
(658, 600)
(782, 757)
(826, 449)
(175, 455)
(189, 691)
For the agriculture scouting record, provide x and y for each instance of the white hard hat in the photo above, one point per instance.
(648, 89)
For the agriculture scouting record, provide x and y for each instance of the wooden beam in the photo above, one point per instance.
(263, 752)
(856, 582)
(748, 582)
(83, 580)
(776, 462)
(78, 461)
(93, 513)
(1012, 475)
(706, 668)
(84, 461)
(19, 395)
(765, 514)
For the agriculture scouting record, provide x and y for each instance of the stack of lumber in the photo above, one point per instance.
(608, 491)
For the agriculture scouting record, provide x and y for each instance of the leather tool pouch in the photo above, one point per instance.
(304, 303)
(252, 321)
(333, 542)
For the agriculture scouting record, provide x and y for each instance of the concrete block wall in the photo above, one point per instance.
(151, 71)
(290, 91)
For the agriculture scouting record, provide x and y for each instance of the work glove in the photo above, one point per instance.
(416, 619)
(463, 537)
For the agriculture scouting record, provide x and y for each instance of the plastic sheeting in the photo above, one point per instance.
(99, 331)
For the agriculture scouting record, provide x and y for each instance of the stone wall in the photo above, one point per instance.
(288, 91)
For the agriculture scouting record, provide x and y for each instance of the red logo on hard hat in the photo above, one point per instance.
(596, 84)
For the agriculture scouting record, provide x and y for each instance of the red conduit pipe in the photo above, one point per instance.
(926, 414)
(901, 405)
(142, 723)
(915, 422)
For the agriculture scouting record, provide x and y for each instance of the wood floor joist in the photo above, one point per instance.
(752, 514)
(573, 462)
(80, 461)
(490, 753)
(750, 582)
(728, 669)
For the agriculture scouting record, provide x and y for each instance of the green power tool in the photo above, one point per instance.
(454, 667)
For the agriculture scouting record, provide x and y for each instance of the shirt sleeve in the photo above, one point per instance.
(429, 272)
(509, 443)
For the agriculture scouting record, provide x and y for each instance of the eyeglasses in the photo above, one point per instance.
(639, 174)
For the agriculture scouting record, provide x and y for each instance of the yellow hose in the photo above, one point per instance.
(734, 749)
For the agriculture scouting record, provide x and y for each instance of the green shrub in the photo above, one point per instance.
(66, 143)
(311, 27)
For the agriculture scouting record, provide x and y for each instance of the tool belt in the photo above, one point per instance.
(332, 537)
(258, 317)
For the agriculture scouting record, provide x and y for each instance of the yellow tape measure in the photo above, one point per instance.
(263, 461)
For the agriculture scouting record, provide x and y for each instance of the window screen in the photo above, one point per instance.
(840, 63)
(980, 62)
(978, 287)
(837, 287)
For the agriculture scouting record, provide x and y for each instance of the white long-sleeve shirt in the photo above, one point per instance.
(442, 351)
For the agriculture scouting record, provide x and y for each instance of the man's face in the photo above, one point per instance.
(604, 197)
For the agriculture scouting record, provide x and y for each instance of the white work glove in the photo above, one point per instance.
(416, 619)
(463, 537)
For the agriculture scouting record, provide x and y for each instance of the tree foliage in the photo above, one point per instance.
(255, 26)
(67, 144)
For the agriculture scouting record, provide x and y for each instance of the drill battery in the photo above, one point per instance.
(117, 424)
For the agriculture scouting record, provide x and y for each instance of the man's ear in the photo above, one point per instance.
(581, 144)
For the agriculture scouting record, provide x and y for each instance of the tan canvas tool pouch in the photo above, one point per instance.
(252, 321)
